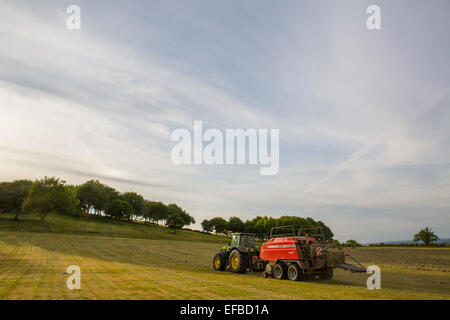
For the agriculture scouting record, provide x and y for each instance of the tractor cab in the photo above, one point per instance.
(243, 240)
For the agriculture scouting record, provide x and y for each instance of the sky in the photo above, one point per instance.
(363, 115)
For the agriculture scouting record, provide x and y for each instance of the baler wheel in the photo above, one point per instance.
(279, 271)
(238, 261)
(294, 272)
(218, 263)
(328, 275)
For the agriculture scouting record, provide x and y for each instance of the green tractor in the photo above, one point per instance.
(240, 255)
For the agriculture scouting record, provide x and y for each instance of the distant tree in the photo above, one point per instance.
(426, 235)
(119, 209)
(94, 197)
(219, 224)
(157, 211)
(249, 226)
(147, 211)
(236, 225)
(352, 244)
(173, 208)
(336, 243)
(326, 230)
(264, 225)
(137, 202)
(12, 196)
(175, 221)
(50, 195)
(110, 194)
(206, 226)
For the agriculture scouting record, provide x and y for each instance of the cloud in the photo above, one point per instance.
(363, 116)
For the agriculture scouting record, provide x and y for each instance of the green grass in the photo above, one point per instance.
(139, 265)
(101, 226)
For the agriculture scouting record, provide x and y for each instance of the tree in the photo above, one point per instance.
(173, 208)
(12, 196)
(263, 225)
(336, 243)
(249, 226)
(427, 236)
(147, 210)
(206, 226)
(110, 194)
(119, 209)
(326, 230)
(352, 244)
(157, 211)
(219, 224)
(50, 195)
(136, 201)
(95, 197)
(235, 224)
(175, 221)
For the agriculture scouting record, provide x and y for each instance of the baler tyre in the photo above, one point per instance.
(279, 271)
(264, 274)
(238, 262)
(294, 273)
(218, 262)
(328, 275)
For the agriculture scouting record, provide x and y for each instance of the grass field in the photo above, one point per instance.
(156, 264)
(101, 226)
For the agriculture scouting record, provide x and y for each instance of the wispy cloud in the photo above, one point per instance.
(363, 116)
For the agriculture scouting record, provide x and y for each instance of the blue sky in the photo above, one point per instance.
(363, 115)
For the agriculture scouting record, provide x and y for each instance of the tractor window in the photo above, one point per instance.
(235, 241)
(247, 241)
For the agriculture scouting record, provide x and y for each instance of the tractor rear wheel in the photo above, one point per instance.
(327, 275)
(218, 263)
(279, 271)
(294, 272)
(238, 261)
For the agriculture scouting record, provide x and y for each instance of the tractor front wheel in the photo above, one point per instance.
(238, 262)
(279, 271)
(218, 263)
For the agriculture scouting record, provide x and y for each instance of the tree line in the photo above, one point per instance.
(94, 198)
(49, 195)
(261, 226)
(425, 237)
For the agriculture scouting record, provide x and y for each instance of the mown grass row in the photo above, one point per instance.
(32, 267)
